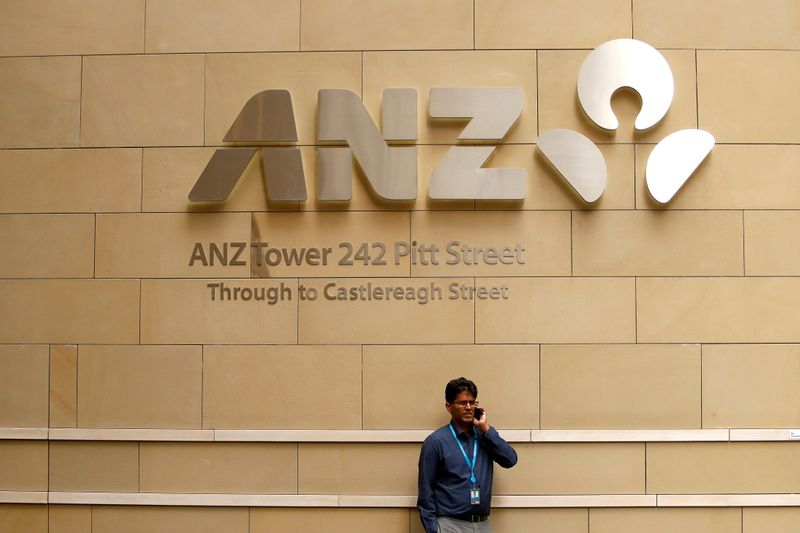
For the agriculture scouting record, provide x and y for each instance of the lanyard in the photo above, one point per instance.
(470, 464)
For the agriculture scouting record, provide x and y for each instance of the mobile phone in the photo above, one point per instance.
(478, 413)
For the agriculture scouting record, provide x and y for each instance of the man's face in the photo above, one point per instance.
(463, 407)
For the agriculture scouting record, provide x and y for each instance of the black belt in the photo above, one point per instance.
(469, 517)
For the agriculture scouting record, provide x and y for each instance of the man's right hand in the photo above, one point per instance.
(483, 423)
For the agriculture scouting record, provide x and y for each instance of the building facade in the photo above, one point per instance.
(253, 366)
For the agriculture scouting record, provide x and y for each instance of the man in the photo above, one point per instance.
(455, 465)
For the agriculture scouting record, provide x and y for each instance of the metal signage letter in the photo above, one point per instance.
(266, 117)
(491, 112)
(625, 63)
(342, 118)
(494, 111)
(610, 66)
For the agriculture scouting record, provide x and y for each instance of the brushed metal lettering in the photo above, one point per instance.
(493, 110)
(577, 160)
(459, 176)
(342, 118)
(674, 160)
(336, 164)
(221, 174)
(283, 169)
(267, 117)
(399, 115)
(391, 171)
(625, 63)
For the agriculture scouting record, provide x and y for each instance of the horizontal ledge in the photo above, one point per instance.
(206, 435)
(321, 435)
(406, 501)
(394, 435)
(10, 496)
(203, 500)
(629, 435)
(524, 502)
(344, 435)
(355, 500)
(23, 433)
(578, 500)
(764, 434)
(729, 500)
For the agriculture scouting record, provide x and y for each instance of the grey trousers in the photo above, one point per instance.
(448, 525)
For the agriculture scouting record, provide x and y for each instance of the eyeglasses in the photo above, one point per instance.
(464, 403)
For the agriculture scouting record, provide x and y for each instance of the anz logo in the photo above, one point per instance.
(345, 129)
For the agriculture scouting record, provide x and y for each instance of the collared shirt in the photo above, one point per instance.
(444, 483)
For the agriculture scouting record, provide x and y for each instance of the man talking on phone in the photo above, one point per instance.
(456, 465)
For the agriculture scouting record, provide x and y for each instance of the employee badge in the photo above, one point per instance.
(475, 495)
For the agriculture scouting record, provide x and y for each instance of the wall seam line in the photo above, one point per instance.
(474, 314)
(410, 235)
(75, 424)
(571, 243)
(635, 179)
(80, 107)
(645, 472)
(297, 316)
(696, 90)
(94, 249)
(580, 48)
(474, 16)
(632, 21)
(536, 70)
(144, 28)
(636, 309)
(77, 375)
(205, 101)
(539, 425)
(701, 389)
(50, 387)
(362, 387)
(49, 408)
(141, 177)
(588, 519)
(202, 385)
(744, 246)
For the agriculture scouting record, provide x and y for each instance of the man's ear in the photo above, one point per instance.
(448, 407)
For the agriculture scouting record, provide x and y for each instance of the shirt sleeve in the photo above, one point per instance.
(501, 452)
(426, 501)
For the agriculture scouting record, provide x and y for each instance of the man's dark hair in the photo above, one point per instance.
(457, 386)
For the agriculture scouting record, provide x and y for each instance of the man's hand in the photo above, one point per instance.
(481, 423)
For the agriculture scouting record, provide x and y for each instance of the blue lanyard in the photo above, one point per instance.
(470, 464)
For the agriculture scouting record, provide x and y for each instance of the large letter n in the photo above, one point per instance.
(343, 119)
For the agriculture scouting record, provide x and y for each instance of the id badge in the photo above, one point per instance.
(475, 495)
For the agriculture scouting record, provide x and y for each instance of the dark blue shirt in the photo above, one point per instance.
(444, 483)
